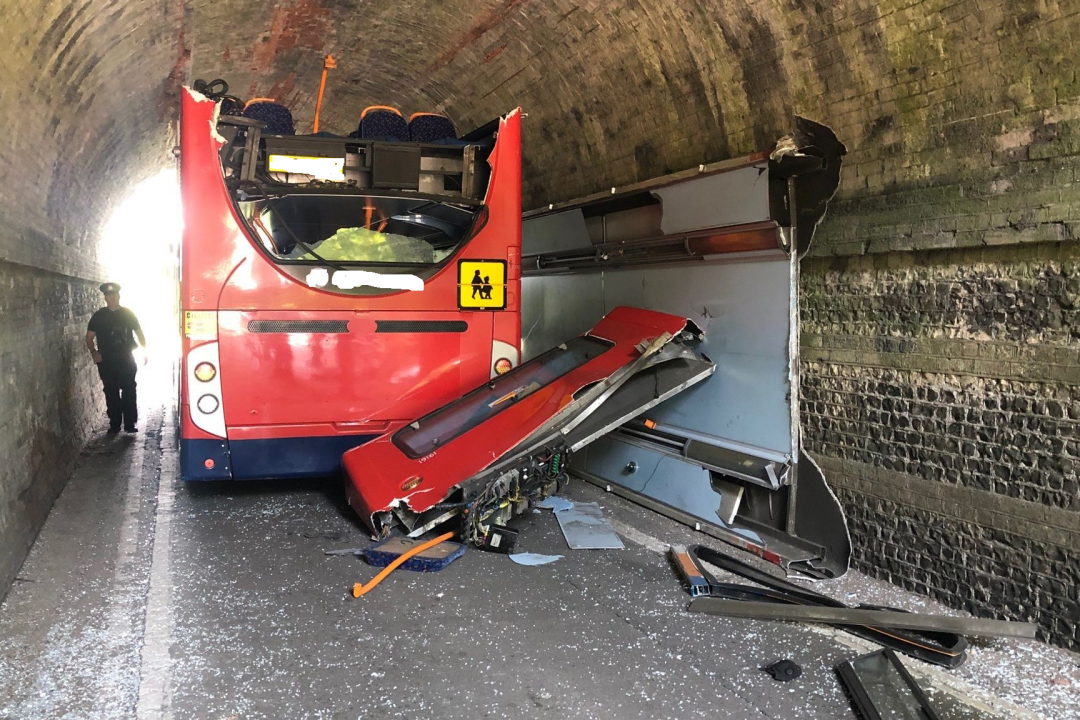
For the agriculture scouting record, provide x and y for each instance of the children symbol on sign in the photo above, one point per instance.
(485, 291)
(477, 285)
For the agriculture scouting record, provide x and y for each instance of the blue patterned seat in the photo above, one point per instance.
(381, 122)
(231, 106)
(278, 119)
(431, 128)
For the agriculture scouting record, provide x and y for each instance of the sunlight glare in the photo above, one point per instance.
(140, 250)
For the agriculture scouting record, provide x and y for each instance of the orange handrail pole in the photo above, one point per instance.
(328, 64)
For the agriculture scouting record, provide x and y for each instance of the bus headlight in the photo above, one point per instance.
(207, 404)
(205, 372)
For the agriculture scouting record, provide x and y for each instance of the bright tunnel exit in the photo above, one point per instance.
(140, 251)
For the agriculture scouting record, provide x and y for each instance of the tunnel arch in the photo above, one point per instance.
(962, 120)
(615, 93)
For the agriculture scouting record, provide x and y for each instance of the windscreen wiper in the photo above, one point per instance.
(270, 205)
(427, 221)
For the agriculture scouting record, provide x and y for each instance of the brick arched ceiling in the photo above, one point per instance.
(615, 91)
(962, 120)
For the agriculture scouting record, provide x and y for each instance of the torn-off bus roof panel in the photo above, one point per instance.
(538, 404)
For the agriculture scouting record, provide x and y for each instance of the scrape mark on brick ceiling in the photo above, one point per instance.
(302, 25)
(170, 89)
(281, 89)
(494, 53)
(486, 22)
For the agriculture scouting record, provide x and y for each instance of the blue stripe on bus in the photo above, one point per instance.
(266, 459)
(195, 453)
(294, 457)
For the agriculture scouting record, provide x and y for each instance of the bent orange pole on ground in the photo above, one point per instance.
(360, 589)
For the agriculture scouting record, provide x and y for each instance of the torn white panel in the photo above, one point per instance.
(407, 500)
(199, 97)
(349, 279)
(218, 137)
(196, 95)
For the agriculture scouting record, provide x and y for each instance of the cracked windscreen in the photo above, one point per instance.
(361, 229)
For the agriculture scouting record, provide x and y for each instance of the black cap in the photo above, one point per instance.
(109, 288)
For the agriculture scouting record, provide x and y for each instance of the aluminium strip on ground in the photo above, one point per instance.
(860, 616)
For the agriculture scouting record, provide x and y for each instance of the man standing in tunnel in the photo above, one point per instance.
(113, 327)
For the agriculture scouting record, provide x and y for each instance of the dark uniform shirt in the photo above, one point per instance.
(115, 332)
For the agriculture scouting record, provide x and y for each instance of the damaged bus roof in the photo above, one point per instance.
(484, 457)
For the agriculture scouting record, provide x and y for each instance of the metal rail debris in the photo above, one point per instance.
(937, 647)
(862, 616)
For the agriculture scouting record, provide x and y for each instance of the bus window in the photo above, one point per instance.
(457, 418)
(362, 229)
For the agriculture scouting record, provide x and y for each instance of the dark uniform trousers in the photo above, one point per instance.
(118, 377)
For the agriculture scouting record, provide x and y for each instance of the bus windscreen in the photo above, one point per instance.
(363, 229)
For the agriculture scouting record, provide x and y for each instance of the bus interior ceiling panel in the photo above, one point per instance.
(724, 455)
(743, 304)
(580, 299)
(743, 194)
(555, 233)
(746, 334)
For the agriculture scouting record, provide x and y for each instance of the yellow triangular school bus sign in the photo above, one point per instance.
(482, 284)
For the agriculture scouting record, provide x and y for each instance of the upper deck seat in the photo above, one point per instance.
(231, 105)
(278, 119)
(431, 128)
(381, 122)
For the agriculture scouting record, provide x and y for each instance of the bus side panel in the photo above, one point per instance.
(208, 252)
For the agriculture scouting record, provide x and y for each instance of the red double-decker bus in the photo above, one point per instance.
(333, 288)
